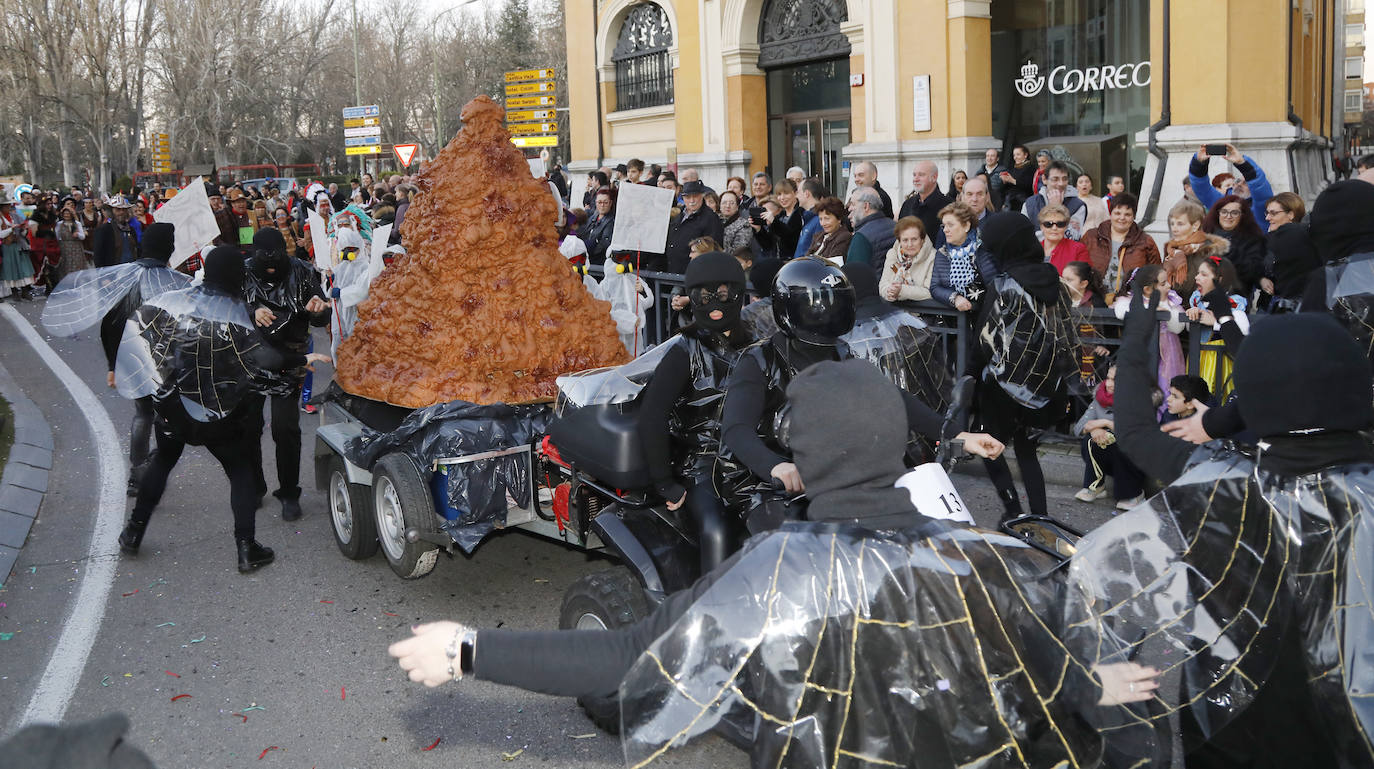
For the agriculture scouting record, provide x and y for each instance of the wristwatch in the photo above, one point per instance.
(461, 649)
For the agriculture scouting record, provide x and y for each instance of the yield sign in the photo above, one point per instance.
(405, 153)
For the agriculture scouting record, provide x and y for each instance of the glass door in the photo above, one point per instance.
(813, 144)
(834, 137)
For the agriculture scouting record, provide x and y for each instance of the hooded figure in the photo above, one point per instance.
(1280, 537)
(350, 284)
(1292, 258)
(197, 354)
(1025, 353)
(1343, 235)
(110, 296)
(873, 635)
(630, 300)
(285, 298)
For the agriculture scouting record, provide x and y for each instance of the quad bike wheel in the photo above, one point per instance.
(603, 600)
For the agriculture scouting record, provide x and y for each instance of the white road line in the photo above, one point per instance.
(63, 673)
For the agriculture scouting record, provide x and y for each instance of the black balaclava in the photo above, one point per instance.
(1010, 238)
(159, 240)
(224, 270)
(1340, 222)
(1303, 372)
(710, 271)
(269, 251)
(850, 458)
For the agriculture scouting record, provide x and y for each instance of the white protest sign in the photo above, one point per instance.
(189, 212)
(319, 237)
(641, 218)
(380, 235)
(536, 167)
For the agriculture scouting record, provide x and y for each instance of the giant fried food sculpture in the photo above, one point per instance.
(483, 308)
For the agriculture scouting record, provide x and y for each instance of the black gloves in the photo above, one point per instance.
(1219, 302)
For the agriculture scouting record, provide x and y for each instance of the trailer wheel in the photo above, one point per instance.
(603, 600)
(400, 499)
(355, 530)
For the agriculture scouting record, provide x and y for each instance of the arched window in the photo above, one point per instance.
(796, 31)
(643, 71)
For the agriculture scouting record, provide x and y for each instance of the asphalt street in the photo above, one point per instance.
(291, 660)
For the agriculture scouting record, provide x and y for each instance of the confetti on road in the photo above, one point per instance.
(587, 736)
(541, 580)
(105, 681)
(126, 595)
(170, 673)
(168, 624)
(387, 613)
(33, 569)
(343, 695)
(267, 750)
(197, 640)
(240, 715)
(254, 706)
(179, 696)
(6, 636)
(432, 745)
(158, 582)
(512, 756)
(326, 602)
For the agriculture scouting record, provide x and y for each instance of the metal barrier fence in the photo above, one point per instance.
(954, 328)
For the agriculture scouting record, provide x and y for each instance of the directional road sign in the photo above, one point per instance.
(515, 89)
(519, 116)
(530, 101)
(371, 130)
(405, 153)
(370, 150)
(532, 128)
(366, 110)
(529, 74)
(359, 122)
(361, 141)
(534, 141)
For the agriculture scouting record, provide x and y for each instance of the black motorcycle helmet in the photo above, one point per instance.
(813, 301)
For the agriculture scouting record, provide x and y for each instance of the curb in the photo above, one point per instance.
(25, 479)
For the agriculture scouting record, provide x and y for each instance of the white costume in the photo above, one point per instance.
(351, 283)
(630, 300)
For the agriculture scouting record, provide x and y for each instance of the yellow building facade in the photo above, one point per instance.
(1128, 87)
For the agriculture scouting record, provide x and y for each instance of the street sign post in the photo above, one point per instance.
(532, 101)
(366, 110)
(369, 150)
(362, 129)
(521, 116)
(521, 75)
(518, 89)
(359, 122)
(514, 102)
(161, 146)
(405, 153)
(534, 141)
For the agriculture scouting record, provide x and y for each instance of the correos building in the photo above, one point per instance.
(1127, 87)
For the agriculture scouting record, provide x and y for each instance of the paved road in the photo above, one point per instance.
(299, 647)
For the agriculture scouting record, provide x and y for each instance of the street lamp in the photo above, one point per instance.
(438, 114)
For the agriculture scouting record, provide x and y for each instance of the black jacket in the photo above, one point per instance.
(596, 233)
(928, 210)
(106, 245)
(682, 230)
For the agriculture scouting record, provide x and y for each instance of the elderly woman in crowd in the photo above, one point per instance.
(956, 278)
(596, 233)
(910, 262)
(1118, 246)
(737, 230)
(1182, 254)
(1059, 248)
(833, 243)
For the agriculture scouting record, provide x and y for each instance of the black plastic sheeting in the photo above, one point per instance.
(479, 492)
(1030, 346)
(950, 646)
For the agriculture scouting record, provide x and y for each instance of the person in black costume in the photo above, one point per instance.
(1309, 485)
(286, 300)
(689, 385)
(851, 459)
(1024, 355)
(197, 354)
(109, 296)
(814, 306)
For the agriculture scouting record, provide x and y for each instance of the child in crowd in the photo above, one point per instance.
(1149, 279)
(1102, 457)
(1186, 393)
(745, 256)
(1212, 304)
(630, 300)
(1085, 289)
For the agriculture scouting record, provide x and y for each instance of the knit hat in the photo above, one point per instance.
(1010, 238)
(710, 271)
(1340, 221)
(849, 458)
(224, 270)
(159, 240)
(714, 269)
(1303, 372)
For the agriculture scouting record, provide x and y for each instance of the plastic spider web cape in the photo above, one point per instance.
(1029, 345)
(1350, 297)
(904, 348)
(956, 647)
(192, 344)
(83, 298)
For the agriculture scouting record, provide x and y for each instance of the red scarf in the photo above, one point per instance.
(1104, 398)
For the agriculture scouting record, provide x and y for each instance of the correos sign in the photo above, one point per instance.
(1064, 80)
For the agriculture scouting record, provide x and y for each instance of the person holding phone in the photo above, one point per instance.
(1018, 182)
(1254, 185)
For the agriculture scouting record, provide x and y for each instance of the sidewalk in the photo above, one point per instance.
(25, 479)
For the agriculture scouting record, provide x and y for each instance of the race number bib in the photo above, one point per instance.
(933, 493)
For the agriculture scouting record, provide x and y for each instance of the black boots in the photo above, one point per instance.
(290, 509)
(1011, 504)
(253, 556)
(132, 537)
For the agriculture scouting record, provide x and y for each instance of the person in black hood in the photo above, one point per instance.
(689, 384)
(1309, 486)
(196, 353)
(1343, 235)
(814, 306)
(286, 299)
(1292, 258)
(109, 296)
(1024, 355)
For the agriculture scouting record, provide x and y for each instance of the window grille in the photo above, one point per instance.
(643, 67)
